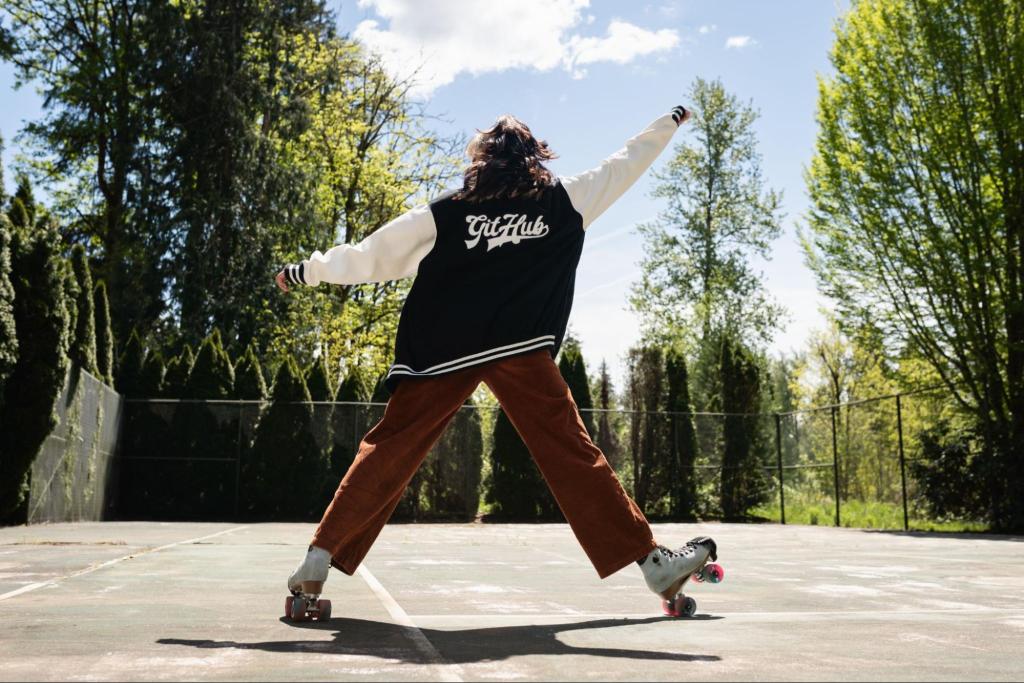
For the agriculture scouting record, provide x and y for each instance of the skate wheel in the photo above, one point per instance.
(298, 612)
(713, 573)
(325, 610)
(668, 607)
(688, 608)
(288, 606)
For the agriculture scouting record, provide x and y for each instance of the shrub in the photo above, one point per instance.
(83, 346)
(104, 334)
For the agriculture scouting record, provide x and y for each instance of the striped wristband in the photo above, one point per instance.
(678, 113)
(295, 274)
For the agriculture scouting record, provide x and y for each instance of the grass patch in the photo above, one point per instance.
(859, 514)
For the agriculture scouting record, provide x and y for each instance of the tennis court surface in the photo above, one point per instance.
(151, 601)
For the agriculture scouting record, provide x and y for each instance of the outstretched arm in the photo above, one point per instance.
(392, 252)
(593, 191)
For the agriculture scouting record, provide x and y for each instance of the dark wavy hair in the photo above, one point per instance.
(506, 161)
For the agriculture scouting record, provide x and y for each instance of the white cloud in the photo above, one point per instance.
(434, 42)
(739, 42)
(707, 28)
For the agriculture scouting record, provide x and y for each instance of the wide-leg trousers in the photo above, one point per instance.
(606, 521)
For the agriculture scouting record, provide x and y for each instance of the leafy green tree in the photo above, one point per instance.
(917, 220)
(696, 274)
(40, 318)
(97, 140)
(83, 347)
(104, 334)
(743, 480)
(682, 438)
(282, 480)
(8, 328)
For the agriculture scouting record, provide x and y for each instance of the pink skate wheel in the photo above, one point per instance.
(325, 610)
(668, 607)
(713, 573)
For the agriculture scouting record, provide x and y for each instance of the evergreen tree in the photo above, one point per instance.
(207, 433)
(682, 438)
(129, 368)
(104, 335)
(178, 371)
(83, 348)
(8, 329)
(515, 488)
(451, 475)
(348, 423)
(71, 294)
(380, 391)
(151, 379)
(319, 381)
(574, 372)
(31, 390)
(645, 396)
(744, 484)
(283, 478)
(249, 382)
(23, 204)
(607, 439)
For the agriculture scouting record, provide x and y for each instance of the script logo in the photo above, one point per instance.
(510, 227)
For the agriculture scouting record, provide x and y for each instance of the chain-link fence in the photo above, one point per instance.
(844, 464)
(70, 478)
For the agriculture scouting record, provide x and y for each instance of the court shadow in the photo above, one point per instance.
(393, 641)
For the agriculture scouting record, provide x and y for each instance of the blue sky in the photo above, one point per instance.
(587, 76)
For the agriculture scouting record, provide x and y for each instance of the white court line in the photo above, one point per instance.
(95, 567)
(445, 670)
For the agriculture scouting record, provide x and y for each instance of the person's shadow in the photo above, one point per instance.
(393, 641)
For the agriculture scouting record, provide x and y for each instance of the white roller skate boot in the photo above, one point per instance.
(305, 584)
(665, 571)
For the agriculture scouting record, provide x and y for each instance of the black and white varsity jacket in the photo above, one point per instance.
(493, 278)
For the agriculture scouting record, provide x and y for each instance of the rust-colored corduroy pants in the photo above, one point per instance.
(608, 524)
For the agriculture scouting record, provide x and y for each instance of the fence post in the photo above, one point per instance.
(903, 462)
(238, 461)
(778, 453)
(835, 460)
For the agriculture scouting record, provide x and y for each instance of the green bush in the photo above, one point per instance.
(249, 382)
(151, 379)
(950, 473)
(450, 478)
(348, 424)
(31, 390)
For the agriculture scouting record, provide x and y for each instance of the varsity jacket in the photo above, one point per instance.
(493, 278)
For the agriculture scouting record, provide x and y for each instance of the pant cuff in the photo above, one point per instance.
(628, 559)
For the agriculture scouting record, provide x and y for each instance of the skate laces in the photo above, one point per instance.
(683, 552)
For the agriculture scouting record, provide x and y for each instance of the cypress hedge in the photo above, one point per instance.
(574, 372)
(249, 382)
(283, 479)
(178, 370)
(515, 489)
(743, 483)
(348, 424)
(682, 439)
(8, 328)
(104, 334)
(129, 368)
(83, 347)
(31, 390)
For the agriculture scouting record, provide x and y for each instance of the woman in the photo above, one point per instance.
(495, 266)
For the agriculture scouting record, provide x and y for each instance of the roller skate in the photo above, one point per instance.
(667, 571)
(305, 584)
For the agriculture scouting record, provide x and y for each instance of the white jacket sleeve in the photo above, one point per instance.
(392, 252)
(593, 191)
